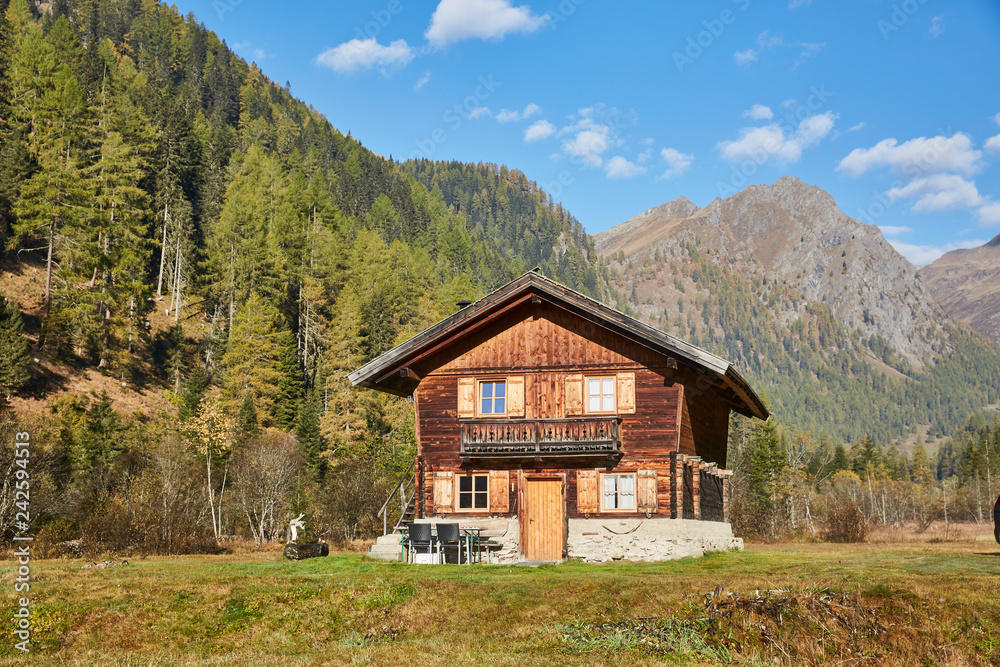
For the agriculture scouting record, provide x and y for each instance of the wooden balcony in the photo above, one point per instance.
(540, 438)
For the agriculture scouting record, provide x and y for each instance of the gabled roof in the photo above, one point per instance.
(392, 372)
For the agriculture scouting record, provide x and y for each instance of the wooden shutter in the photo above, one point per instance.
(515, 396)
(646, 490)
(499, 491)
(587, 498)
(466, 398)
(626, 393)
(444, 493)
(574, 395)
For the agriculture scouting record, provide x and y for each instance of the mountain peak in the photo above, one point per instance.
(677, 208)
(995, 242)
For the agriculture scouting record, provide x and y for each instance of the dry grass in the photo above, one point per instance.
(884, 603)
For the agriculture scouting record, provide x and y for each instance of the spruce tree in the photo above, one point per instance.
(289, 401)
(14, 359)
(308, 432)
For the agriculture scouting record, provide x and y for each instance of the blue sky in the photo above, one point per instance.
(614, 107)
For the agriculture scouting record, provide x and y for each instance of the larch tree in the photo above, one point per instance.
(48, 104)
(251, 360)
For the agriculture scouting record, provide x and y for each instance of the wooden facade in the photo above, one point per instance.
(541, 405)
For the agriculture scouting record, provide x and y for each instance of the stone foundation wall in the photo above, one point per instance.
(601, 540)
(610, 539)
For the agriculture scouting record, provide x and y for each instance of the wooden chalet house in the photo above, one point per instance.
(567, 429)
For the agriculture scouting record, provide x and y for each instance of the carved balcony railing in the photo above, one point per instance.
(540, 438)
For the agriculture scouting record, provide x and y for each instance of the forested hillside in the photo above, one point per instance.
(200, 232)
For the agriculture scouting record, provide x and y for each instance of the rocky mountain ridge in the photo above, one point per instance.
(795, 234)
(966, 283)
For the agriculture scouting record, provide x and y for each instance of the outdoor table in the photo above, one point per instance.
(472, 537)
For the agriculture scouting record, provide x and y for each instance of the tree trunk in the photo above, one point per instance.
(163, 256)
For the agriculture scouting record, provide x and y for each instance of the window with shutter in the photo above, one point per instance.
(444, 489)
(574, 395)
(466, 398)
(515, 396)
(618, 492)
(499, 491)
(586, 492)
(626, 393)
(646, 491)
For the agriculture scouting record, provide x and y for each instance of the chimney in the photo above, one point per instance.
(463, 303)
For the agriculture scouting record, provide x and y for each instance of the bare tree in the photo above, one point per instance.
(265, 471)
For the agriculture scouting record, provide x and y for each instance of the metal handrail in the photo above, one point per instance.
(404, 500)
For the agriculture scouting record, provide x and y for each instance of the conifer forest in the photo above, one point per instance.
(192, 260)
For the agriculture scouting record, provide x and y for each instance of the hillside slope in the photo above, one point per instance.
(967, 285)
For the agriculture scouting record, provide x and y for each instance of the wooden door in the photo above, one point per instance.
(543, 534)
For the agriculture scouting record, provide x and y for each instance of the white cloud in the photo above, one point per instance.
(996, 119)
(937, 26)
(508, 116)
(894, 230)
(921, 255)
(993, 143)
(596, 130)
(677, 162)
(366, 54)
(989, 214)
(798, 3)
(759, 112)
(925, 155)
(589, 144)
(809, 50)
(745, 57)
(644, 156)
(619, 167)
(455, 20)
(422, 81)
(480, 111)
(541, 129)
(938, 192)
(760, 143)
(859, 126)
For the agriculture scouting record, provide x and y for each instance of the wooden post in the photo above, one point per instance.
(696, 487)
(676, 486)
(725, 497)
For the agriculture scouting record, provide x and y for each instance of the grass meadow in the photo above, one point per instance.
(890, 601)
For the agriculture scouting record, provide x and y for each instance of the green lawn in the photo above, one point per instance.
(791, 604)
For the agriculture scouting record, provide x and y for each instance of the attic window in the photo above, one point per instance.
(600, 395)
(493, 398)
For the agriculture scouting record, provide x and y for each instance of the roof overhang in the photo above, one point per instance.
(394, 372)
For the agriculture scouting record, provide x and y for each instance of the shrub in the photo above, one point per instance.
(845, 522)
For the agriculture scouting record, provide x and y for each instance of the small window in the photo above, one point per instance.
(493, 398)
(474, 492)
(600, 395)
(619, 492)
